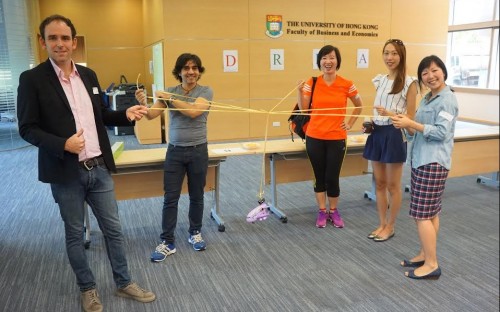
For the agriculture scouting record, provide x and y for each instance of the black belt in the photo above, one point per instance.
(90, 163)
(191, 146)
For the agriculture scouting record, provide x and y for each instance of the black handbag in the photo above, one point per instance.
(298, 121)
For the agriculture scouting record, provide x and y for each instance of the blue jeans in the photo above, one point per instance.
(179, 162)
(96, 187)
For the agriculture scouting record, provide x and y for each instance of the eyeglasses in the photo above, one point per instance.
(395, 41)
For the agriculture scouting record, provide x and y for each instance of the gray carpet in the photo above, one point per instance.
(266, 266)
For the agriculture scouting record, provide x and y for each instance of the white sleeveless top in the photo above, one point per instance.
(391, 102)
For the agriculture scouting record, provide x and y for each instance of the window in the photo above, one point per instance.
(15, 57)
(472, 57)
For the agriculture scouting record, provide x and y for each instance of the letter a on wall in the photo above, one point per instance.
(363, 58)
(230, 60)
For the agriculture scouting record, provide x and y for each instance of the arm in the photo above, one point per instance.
(358, 103)
(444, 118)
(141, 97)
(136, 112)
(304, 97)
(300, 86)
(32, 117)
(411, 100)
(193, 110)
(404, 122)
(109, 117)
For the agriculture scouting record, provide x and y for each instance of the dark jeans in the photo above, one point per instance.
(96, 187)
(181, 161)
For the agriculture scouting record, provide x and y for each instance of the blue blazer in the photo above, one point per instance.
(46, 120)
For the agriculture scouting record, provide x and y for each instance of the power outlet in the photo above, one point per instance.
(276, 123)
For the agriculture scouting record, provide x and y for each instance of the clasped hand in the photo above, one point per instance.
(400, 121)
(136, 112)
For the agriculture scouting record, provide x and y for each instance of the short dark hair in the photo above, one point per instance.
(426, 63)
(182, 60)
(327, 50)
(57, 17)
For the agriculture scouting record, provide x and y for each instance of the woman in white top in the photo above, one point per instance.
(386, 146)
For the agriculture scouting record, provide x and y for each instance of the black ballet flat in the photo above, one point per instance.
(410, 264)
(434, 275)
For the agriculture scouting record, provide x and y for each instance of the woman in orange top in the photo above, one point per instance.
(327, 130)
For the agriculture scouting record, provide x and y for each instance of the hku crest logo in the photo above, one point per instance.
(274, 25)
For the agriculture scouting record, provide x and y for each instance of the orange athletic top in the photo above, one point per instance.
(334, 96)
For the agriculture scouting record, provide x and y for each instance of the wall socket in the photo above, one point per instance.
(276, 123)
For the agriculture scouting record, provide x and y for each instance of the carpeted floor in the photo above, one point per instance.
(266, 266)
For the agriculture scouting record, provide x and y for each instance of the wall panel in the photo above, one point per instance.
(119, 36)
(153, 25)
(112, 30)
(110, 64)
(214, 19)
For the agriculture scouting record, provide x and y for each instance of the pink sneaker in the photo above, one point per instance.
(336, 219)
(321, 219)
(259, 213)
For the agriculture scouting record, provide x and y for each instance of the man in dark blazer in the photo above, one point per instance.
(61, 111)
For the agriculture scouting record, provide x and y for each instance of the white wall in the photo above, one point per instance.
(478, 106)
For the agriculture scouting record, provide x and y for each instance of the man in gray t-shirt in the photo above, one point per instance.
(183, 129)
(187, 154)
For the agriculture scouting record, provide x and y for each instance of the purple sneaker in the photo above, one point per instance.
(321, 219)
(336, 219)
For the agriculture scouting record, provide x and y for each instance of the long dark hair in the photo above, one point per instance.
(399, 81)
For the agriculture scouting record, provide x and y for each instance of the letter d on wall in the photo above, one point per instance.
(230, 60)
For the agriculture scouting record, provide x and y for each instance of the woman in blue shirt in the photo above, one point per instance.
(431, 135)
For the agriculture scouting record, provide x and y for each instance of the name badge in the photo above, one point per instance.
(446, 115)
(95, 90)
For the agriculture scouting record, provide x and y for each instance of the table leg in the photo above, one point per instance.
(273, 204)
(371, 194)
(493, 180)
(214, 213)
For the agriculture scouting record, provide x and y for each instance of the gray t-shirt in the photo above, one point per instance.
(184, 130)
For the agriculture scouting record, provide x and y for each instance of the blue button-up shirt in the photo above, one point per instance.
(435, 144)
